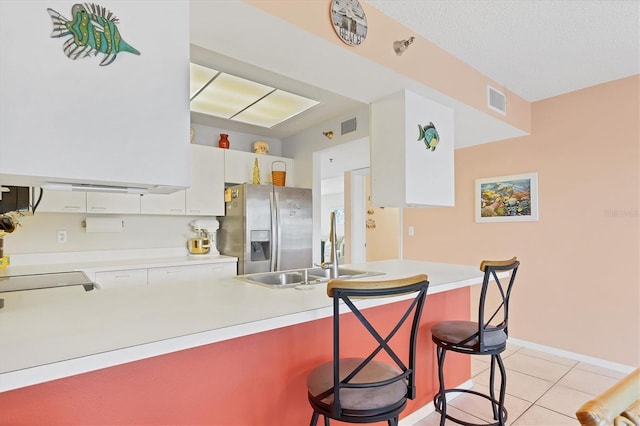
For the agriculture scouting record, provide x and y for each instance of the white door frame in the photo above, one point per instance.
(358, 235)
(356, 162)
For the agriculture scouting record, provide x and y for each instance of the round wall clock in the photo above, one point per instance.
(349, 21)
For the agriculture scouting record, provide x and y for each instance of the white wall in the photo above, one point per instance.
(330, 202)
(301, 147)
(38, 233)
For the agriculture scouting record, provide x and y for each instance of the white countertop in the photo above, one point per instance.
(53, 333)
(41, 263)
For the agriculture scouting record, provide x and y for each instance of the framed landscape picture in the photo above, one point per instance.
(511, 198)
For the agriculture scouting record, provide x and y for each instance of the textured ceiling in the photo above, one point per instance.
(535, 48)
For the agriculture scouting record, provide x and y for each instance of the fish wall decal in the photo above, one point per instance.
(430, 135)
(92, 29)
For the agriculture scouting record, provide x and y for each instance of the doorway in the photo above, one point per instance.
(331, 165)
(343, 177)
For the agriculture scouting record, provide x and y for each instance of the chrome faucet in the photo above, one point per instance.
(333, 259)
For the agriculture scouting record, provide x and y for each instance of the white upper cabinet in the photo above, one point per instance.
(412, 147)
(238, 167)
(92, 121)
(62, 202)
(113, 203)
(205, 196)
(167, 204)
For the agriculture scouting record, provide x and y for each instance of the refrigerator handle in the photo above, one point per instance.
(278, 231)
(274, 237)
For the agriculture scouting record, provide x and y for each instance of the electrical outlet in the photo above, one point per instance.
(62, 236)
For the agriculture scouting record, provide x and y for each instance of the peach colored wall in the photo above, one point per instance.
(578, 287)
(451, 77)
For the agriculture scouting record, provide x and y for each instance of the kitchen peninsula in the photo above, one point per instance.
(219, 352)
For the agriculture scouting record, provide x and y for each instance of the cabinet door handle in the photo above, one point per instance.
(98, 208)
(71, 207)
(122, 276)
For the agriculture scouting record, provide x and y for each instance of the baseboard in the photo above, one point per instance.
(425, 410)
(573, 355)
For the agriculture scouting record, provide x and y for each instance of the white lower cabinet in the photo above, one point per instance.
(171, 274)
(121, 278)
(216, 270)
(98, 202)
(162, 275)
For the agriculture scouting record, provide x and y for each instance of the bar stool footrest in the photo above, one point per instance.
(494, 402)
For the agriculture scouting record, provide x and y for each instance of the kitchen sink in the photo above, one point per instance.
(275, 279)
(343, 273)
(287, 279)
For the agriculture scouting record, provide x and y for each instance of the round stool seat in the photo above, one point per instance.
(457, 333)
(321, 378)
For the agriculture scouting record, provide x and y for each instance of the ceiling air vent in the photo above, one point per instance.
(349, 126)
(496, 100)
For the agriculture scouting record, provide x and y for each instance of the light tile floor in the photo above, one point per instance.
(542, 389)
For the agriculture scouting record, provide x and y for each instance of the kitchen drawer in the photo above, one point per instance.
(216, 270)
(171, 274)
(126, 277)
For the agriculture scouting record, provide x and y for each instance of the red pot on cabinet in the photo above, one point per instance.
(224, 141)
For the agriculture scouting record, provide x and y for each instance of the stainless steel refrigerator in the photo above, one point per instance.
(268, 228)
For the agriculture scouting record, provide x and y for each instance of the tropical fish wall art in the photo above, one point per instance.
(92, 29)
(430, 136)
(509, 198)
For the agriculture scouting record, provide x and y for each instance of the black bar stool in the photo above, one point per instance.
(376, 386)
(487, 336)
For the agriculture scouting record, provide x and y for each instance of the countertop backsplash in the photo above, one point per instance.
(37, 234)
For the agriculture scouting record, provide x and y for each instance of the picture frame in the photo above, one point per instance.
(512, 198)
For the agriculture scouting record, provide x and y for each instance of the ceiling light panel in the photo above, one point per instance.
(199, 76)
(275, 108)
(227, 95)
(223, 95)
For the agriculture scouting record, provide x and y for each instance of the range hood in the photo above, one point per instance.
(66, 184)
(55, 186)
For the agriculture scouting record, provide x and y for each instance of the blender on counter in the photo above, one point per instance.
(204, 241)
